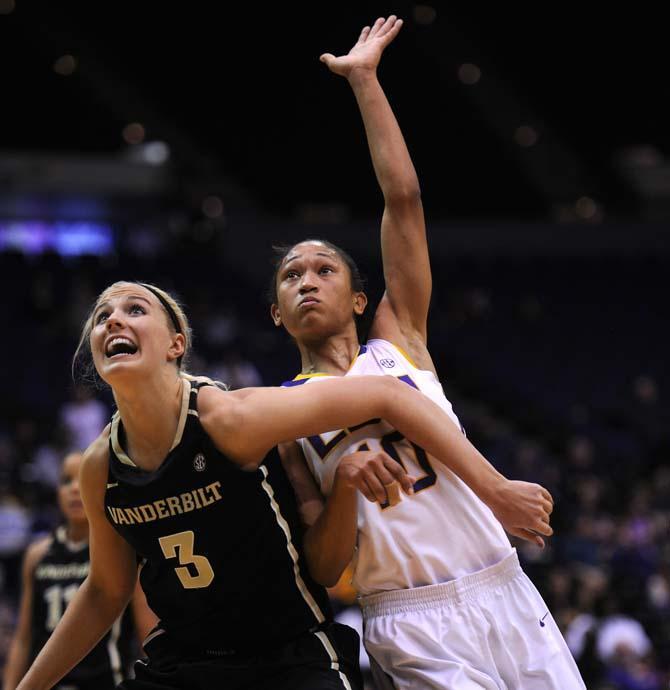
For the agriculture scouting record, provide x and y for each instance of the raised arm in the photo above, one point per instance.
(402, 314)
(104, 593)
(246, 424)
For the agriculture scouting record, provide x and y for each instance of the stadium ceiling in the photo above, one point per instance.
(510, 114)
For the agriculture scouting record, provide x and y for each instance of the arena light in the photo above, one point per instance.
(525, 136)
(469, 73)
(424, 14)
(155, 152)
(133, 133)
(212, 207)
(65, 65)
(586, 207)
(67, 238)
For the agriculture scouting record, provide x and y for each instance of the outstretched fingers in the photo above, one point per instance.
(364, 34)
(388, 26)
(376, 27)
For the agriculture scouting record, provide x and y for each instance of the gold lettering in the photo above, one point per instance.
(203, 496)
(214, 488)
(166, 507)
(148, 512)
(187, 502)
(122, 519)
(133, 515)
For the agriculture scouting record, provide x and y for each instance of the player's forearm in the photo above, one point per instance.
(330, 541)
(17, 663)
(87, 618)
(391, 160)
(422, 421)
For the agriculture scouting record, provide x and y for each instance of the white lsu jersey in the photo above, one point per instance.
(443, 531)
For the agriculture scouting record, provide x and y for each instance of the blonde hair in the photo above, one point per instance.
(177, 323)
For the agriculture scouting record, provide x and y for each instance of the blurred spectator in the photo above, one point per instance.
(83, 417)
(235, 371)
(15, 534)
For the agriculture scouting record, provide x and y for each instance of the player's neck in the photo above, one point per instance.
(77, 532)
(333, 356)
(150, 416)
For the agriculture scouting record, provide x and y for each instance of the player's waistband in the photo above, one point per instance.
(466, 588)
(160, 643)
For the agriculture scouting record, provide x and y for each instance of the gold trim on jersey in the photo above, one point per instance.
(183, 414)
(286, 529)
(405, 355)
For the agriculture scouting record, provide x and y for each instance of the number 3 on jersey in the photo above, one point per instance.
(181, 545)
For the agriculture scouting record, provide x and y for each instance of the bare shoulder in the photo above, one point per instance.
(96, 457)
(36, 552)
(215, 406)
(95, 467)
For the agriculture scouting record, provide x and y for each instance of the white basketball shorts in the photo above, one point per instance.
(487, 631)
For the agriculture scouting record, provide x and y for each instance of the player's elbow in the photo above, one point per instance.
(405, 194)
(326, 574)
(329, 580)
(110, 593)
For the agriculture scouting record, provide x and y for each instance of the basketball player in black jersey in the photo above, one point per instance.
(187, 479)
(54, 568)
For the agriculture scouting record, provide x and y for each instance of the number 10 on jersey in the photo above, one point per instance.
(391, 446)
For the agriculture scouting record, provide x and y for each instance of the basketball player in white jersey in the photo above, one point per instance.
(444, 600)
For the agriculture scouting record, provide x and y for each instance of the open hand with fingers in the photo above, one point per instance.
(367, 52)
(375, 474)
(523, 509)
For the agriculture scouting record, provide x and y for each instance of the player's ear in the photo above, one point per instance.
(360, 302)
(177, 347)
(275, 314)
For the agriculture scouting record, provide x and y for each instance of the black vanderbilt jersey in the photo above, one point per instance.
(222, 547)
(56, 579)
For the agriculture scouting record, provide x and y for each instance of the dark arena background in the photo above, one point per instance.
(175, 143)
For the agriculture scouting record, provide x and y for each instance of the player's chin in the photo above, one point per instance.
(114, 368)
(313, 322)
(76, 515)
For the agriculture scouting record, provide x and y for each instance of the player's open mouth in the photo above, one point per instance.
(120, 347)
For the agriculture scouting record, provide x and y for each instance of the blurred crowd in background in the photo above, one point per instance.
(554, 367)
